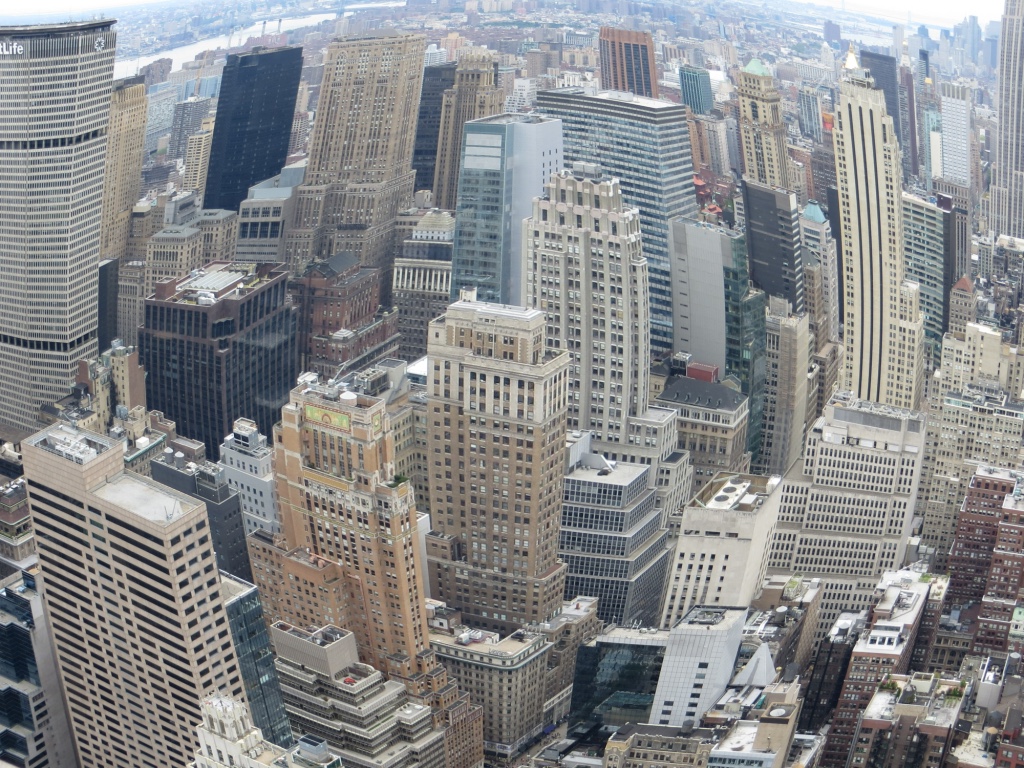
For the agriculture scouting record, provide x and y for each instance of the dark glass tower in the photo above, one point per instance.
(254, 123)
(773, 242)
(436, 80)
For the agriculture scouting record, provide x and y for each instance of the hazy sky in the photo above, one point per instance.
(942, 12)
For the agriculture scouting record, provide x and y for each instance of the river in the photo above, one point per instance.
(127, 67)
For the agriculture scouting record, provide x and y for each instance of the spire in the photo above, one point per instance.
(851, 59)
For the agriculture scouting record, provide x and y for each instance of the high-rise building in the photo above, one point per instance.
(883, 325)
(506, 161)
(720, 317)
(809, 113)
(645, 144)
(189, 116)
(136, 629)
(930, 262)
(957, 132)
(1006, 207)
(359, 175)
(220, 345)
(475, 94)
(197, 159)
(695, 83)
(762, 129)
(247, 462)
(266, 214)
(627, 62)
(437, 78)
(254, 123)
(963, 305)
(774, 247)
(860, 472)
(497, 387)
(122, 174)
(820, 266)
(359, 713)
(785, 388)
(421, 284)
(48, 288)
(884, 73)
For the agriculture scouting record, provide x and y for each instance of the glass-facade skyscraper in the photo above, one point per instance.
(254, 123)
(695, 87)
(645, 144)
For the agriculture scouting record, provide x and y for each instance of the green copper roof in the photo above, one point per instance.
(755, 67)
(813, 212)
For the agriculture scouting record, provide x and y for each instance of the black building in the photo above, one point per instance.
(254, 123)
(773, 242)
(220, 345)
(106, 300)
(436, 80)
(183, 467)
(886, 73)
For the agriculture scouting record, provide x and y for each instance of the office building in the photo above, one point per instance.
(963, 305)
(869, 506)
(722, 542)
(255, 658)
(229, 738)
(197, 159)
(928, 253)
(126, 711)
(1006, 206)
(809, 114)
(122, 174)
(348, 201)
(774, 247)
(495, 557)
(645, 144)
(506, 161)
(266, 214)
(818, 249)
(884, 72)
(219, 229)
(762, 129)
(367, 720)
(699, 662)
(672, 745)
(612, 538)
(183, 467)
(189, 116)
(49, 285)
(787, 365)
(437, 78)
(627, 62)
(883, 323)
(695, 85)
(35, 730)
(248, 466)
(957, 110)
(421, 283)
(719, 316)
(217, 346)
(254, 122)
(712, 421)
(475, 94)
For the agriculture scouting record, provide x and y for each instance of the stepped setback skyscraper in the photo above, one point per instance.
(54, 142)
(254, 123)
(1006, 216)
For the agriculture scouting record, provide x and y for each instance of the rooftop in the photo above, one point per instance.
(597, 469)
(145, 498)
(682, 390)
(217, 281)
(72, 444)
(744, 493)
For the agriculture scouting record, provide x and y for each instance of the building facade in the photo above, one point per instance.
(627, 62)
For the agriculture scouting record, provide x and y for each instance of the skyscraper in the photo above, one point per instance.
(773, 242)
(883, 325)
(809, 105)
(627, 62)
(496, 389)
(51, 175)
(437, 79)
(134, 599)
(762, 129)
(122, 174)
(931, 263)
(359, 174)
(957, 132)
(188, 119)
(254, 123)
(884, 71)
(474, 95)
(506, 161)
(1006, 216)
(645, 144)
(695, 83)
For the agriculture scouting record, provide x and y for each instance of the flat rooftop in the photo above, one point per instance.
(145, 498)
(76, 446)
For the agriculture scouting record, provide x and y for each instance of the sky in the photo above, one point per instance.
(940, 12)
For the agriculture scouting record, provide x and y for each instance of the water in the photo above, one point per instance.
(127, 67)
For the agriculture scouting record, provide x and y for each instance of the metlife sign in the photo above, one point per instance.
(10, 48)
